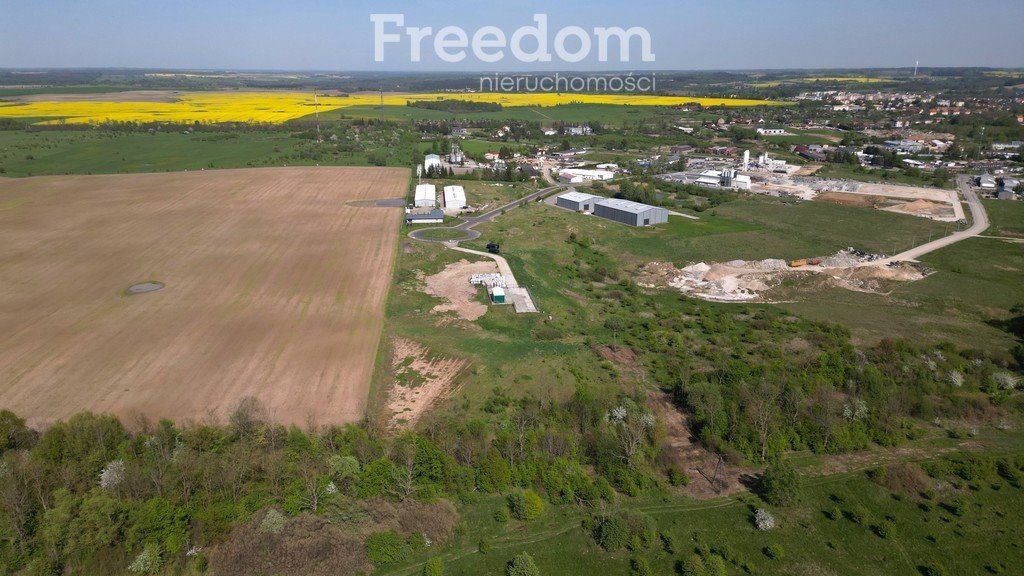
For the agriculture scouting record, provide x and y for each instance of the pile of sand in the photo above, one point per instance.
(923, 208)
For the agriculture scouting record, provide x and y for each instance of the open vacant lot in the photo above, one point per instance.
(275, 281)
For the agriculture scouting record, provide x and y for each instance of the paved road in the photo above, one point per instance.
(980, 224)
(503, 267)
(470, 223)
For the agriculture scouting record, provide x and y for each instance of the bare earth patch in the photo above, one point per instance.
(420, 381)
(273, 288)
(453, 285)
(750, 281)
(710, 477)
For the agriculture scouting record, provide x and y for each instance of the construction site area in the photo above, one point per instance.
(754, 281)
(932, 203)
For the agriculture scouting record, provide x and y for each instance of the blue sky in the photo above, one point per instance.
(338, 34)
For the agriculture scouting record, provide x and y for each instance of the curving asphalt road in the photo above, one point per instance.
(470, 223)
(980, 224)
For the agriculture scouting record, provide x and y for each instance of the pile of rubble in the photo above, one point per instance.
(745, 281)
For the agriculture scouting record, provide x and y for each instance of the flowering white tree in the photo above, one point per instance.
(112, 475)
(763, 519)
(147, 562)
(633, 430)
(955, 378)
(273, 522)
(855, 410)
(1005, 380)
(618, 414)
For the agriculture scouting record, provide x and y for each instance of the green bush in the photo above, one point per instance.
(714, 565)
(501, 514)
(522, 564)
(639, 567)
(526, 505)
(774, 551)
(384, 548)
(484, 546)
(692, 566)
(885, 528)
(433, 567)
(613, 533)
(858, 514)
(678, 478)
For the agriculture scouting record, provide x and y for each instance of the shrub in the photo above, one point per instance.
(522, 564)
(858, 514)
(433, 567)
(957, 506)
(678, 478)
(484, 546)
(534, 505)
(385, 548)
(885, 528)
(764, 520)
(780, 484)
(639, 567)
(669, 542)
(502, 515)
(692, 566)
(775, 551)
(834, 513)
(714, 565)
(613, 533)
(417, 541)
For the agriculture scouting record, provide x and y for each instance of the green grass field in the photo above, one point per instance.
(1006, 218)
(38, 153)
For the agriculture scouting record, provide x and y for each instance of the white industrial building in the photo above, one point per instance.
(569, 178)
(587, 175)
(987, 181)
(577, 201)
(727, 178)
(771, 131)
(454, 197)
(628, 212)
(426, 196)
(431, 161)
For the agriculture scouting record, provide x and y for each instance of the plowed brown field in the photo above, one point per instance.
(275, 288)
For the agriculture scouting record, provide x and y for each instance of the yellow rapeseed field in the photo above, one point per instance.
(276, 107)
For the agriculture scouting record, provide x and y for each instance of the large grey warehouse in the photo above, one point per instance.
(632, 213)
(577, 201)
